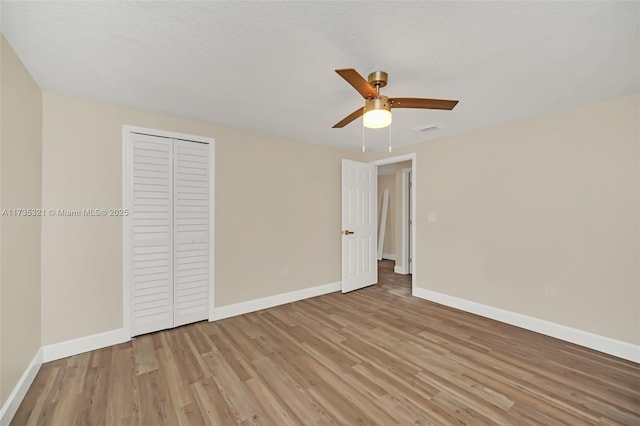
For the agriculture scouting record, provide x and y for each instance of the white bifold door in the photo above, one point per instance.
(169, 232)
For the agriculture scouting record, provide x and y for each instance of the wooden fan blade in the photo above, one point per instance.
(349, 118)
(422, 103)
(358, 82)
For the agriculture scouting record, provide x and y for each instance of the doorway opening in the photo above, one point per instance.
(391, 282)
(396, 177)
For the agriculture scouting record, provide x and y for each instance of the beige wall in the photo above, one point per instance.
(20, 187)
(550, 201)
(535, 203)
(388, 182)
(277, 213)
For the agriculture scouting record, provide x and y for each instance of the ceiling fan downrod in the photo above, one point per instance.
(378, 79)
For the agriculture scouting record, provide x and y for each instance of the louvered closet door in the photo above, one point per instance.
(152, 233)
(191, 232)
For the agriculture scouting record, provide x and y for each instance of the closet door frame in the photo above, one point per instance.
(127, 173)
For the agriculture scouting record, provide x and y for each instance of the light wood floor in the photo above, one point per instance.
(374, 356)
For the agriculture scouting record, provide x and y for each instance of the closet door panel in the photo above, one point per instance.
(152, 234)
(191, 232)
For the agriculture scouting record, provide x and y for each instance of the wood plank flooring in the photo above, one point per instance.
(374, 356)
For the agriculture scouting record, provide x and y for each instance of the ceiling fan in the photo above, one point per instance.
(377, 107)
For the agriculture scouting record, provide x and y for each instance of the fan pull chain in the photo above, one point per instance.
(363, 148)
(389, 138)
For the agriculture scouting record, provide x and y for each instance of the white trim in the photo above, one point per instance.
(414, 225)
(126, 226)
(383, 222)
(389, 256)
(71, 347)
(212, 228)
(18, 393)
(604, 344)
(398, 159)
(126, 129)
(271, 301)
(404, 267)
(127, 172)
(400, 270)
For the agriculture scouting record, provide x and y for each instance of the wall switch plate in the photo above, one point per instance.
(432, 217)
(550, 293)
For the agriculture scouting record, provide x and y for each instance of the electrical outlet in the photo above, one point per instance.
(550, 293)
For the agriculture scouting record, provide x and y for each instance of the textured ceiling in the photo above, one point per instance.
(268, 66)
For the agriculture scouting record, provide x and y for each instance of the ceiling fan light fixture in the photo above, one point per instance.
(377, 113)
(377, 119)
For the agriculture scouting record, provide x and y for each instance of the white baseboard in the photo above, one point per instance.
(400, 270)
(16, 396)
(604, 344)
(389, 256)
(271, 301)
(84, 344)
(89, 343)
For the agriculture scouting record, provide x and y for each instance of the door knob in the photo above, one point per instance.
(347, 232)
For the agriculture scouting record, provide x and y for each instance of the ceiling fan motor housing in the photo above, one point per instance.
(381, 102)
(378, 79)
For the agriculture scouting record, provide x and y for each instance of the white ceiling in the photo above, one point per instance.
(268, 66)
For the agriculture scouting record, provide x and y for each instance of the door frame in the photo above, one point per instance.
(407, 216)
(398, 159)
(127, 165)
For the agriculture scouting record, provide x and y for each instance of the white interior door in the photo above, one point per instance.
(191, 232)
(151, 235)
(359, 200)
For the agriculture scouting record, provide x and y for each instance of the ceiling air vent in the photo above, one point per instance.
(428, 127)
